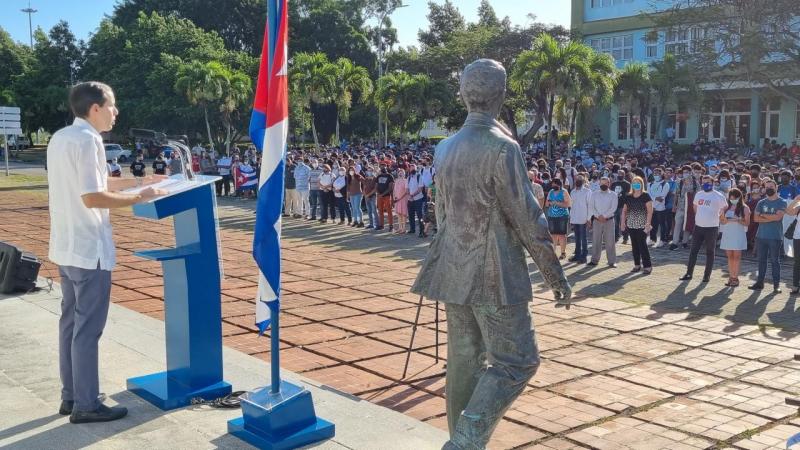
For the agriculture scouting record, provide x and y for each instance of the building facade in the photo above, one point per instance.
(735, 113)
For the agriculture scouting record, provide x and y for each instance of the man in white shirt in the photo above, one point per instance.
(579, 218)
(224, 166)
(602, 209)
(659, 189)
(81, 244)
(416, 200)
(708, 204)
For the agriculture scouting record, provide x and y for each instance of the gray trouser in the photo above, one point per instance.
(491, 355)
(84, 309)
(680, 215)
(603, 234)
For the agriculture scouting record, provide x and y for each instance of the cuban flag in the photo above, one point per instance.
(246, 178)
(269, 128)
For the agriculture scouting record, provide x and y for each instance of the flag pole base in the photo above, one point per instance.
(282, 420)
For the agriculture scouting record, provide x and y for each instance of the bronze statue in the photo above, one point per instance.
(488, 217)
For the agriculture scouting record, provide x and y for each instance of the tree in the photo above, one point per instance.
(314, 78)
(754, 41)
(667, 78)
(549, 69)
(17, 59)
(236, 93)
(586, 93)
(486, 15)
(445, 19)
(350, 80)
(633, 90)
(202, 84)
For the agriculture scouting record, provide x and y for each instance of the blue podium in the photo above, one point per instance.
(192, 308)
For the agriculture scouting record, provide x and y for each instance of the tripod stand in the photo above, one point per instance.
(414, 335)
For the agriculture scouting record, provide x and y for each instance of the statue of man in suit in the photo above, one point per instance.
(488, 218)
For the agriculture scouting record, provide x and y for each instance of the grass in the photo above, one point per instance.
(32, 186)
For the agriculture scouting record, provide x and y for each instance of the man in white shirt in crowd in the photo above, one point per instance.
(416, 200)
(602, 208)
(81, 244)
(224, 166)
(579, 218)
(659, 189)
(708, 204)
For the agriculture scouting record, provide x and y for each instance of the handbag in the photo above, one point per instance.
(789, 234)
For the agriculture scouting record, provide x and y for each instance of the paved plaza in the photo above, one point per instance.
(638, 362)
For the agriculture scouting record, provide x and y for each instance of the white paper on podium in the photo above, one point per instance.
(170, 186)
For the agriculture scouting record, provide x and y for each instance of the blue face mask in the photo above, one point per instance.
(636, 186)
(657, 177)
(708, 187)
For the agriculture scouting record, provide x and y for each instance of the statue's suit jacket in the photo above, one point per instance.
(487, 218)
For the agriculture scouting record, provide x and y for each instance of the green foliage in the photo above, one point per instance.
(633, 89)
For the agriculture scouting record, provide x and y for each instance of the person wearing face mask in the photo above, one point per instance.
(290, 204)
(725, 183)
(340, 194)
(355, 192)
(327, 197)
(787, 191)
(558, 203)
(370, 186)
(385, 188)
(735, 220)
(315, 192)
(416, 198)
(579, 218)
(659, 191)
(602, 209)
(708, 205)
(538, 192)
(302, 178)
(400, 200)
(637, 216)
(769, 214)
(684, 196)
(621, 187)
(793, 210)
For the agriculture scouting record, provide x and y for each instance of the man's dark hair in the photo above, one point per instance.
(83, 96)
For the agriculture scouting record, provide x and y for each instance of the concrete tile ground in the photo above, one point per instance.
(638, 362)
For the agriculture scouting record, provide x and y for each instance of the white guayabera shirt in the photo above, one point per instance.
(79, 236)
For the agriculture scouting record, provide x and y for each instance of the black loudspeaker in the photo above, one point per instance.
(18, 269)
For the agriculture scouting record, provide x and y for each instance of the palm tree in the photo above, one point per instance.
(668, 77)
(236, 92)
(314, 78)
(549, 69)
(587, 93)
(201, 85)
(349, 80)
(408, 98)
(632, 89)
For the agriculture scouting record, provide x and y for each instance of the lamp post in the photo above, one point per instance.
(29, 11)
(380, 65)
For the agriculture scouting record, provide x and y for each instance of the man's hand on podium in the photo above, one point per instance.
(153, 179)
(150, 193)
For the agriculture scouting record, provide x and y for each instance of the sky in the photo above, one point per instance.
(85, 19)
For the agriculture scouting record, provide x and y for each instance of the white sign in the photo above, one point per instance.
(10, 122)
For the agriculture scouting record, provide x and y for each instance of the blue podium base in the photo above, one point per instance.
(280, 421)
(166, 393)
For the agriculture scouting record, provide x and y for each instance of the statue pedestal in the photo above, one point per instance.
(282, 420)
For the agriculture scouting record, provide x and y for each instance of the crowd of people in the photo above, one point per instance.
(735, 198)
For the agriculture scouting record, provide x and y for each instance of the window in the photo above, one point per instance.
(619, 47)
(677, 120)
(684, 41)
(770, 119)
(652, 51)
(606, 3)
(623, 128)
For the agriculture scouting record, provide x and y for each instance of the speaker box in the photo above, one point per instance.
(18, 269)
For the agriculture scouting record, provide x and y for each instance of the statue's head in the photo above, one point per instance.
(483, 86)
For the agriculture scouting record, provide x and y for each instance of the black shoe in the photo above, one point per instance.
(102, 414)
(591, 263)
(756, 287)
(391, 227)
(573, 258)
(66, 407)
(377, 228)
(360, 225)
(411, 232)
(777, 290)
(706, 279)
(686, 277)
(323, 220)
(685, 246)
(624, 242)
(341, 222)
(613, 266)
(284, 215)
(581, 260)
(673, 247)
(636, 269)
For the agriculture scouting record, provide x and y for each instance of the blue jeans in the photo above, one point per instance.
(415, 209)
(314, 199)
(372, 210)
(344, 209)
(771, 247)
(355, 206)
(581, 242)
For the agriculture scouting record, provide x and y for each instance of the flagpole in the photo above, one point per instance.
(274, 306)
